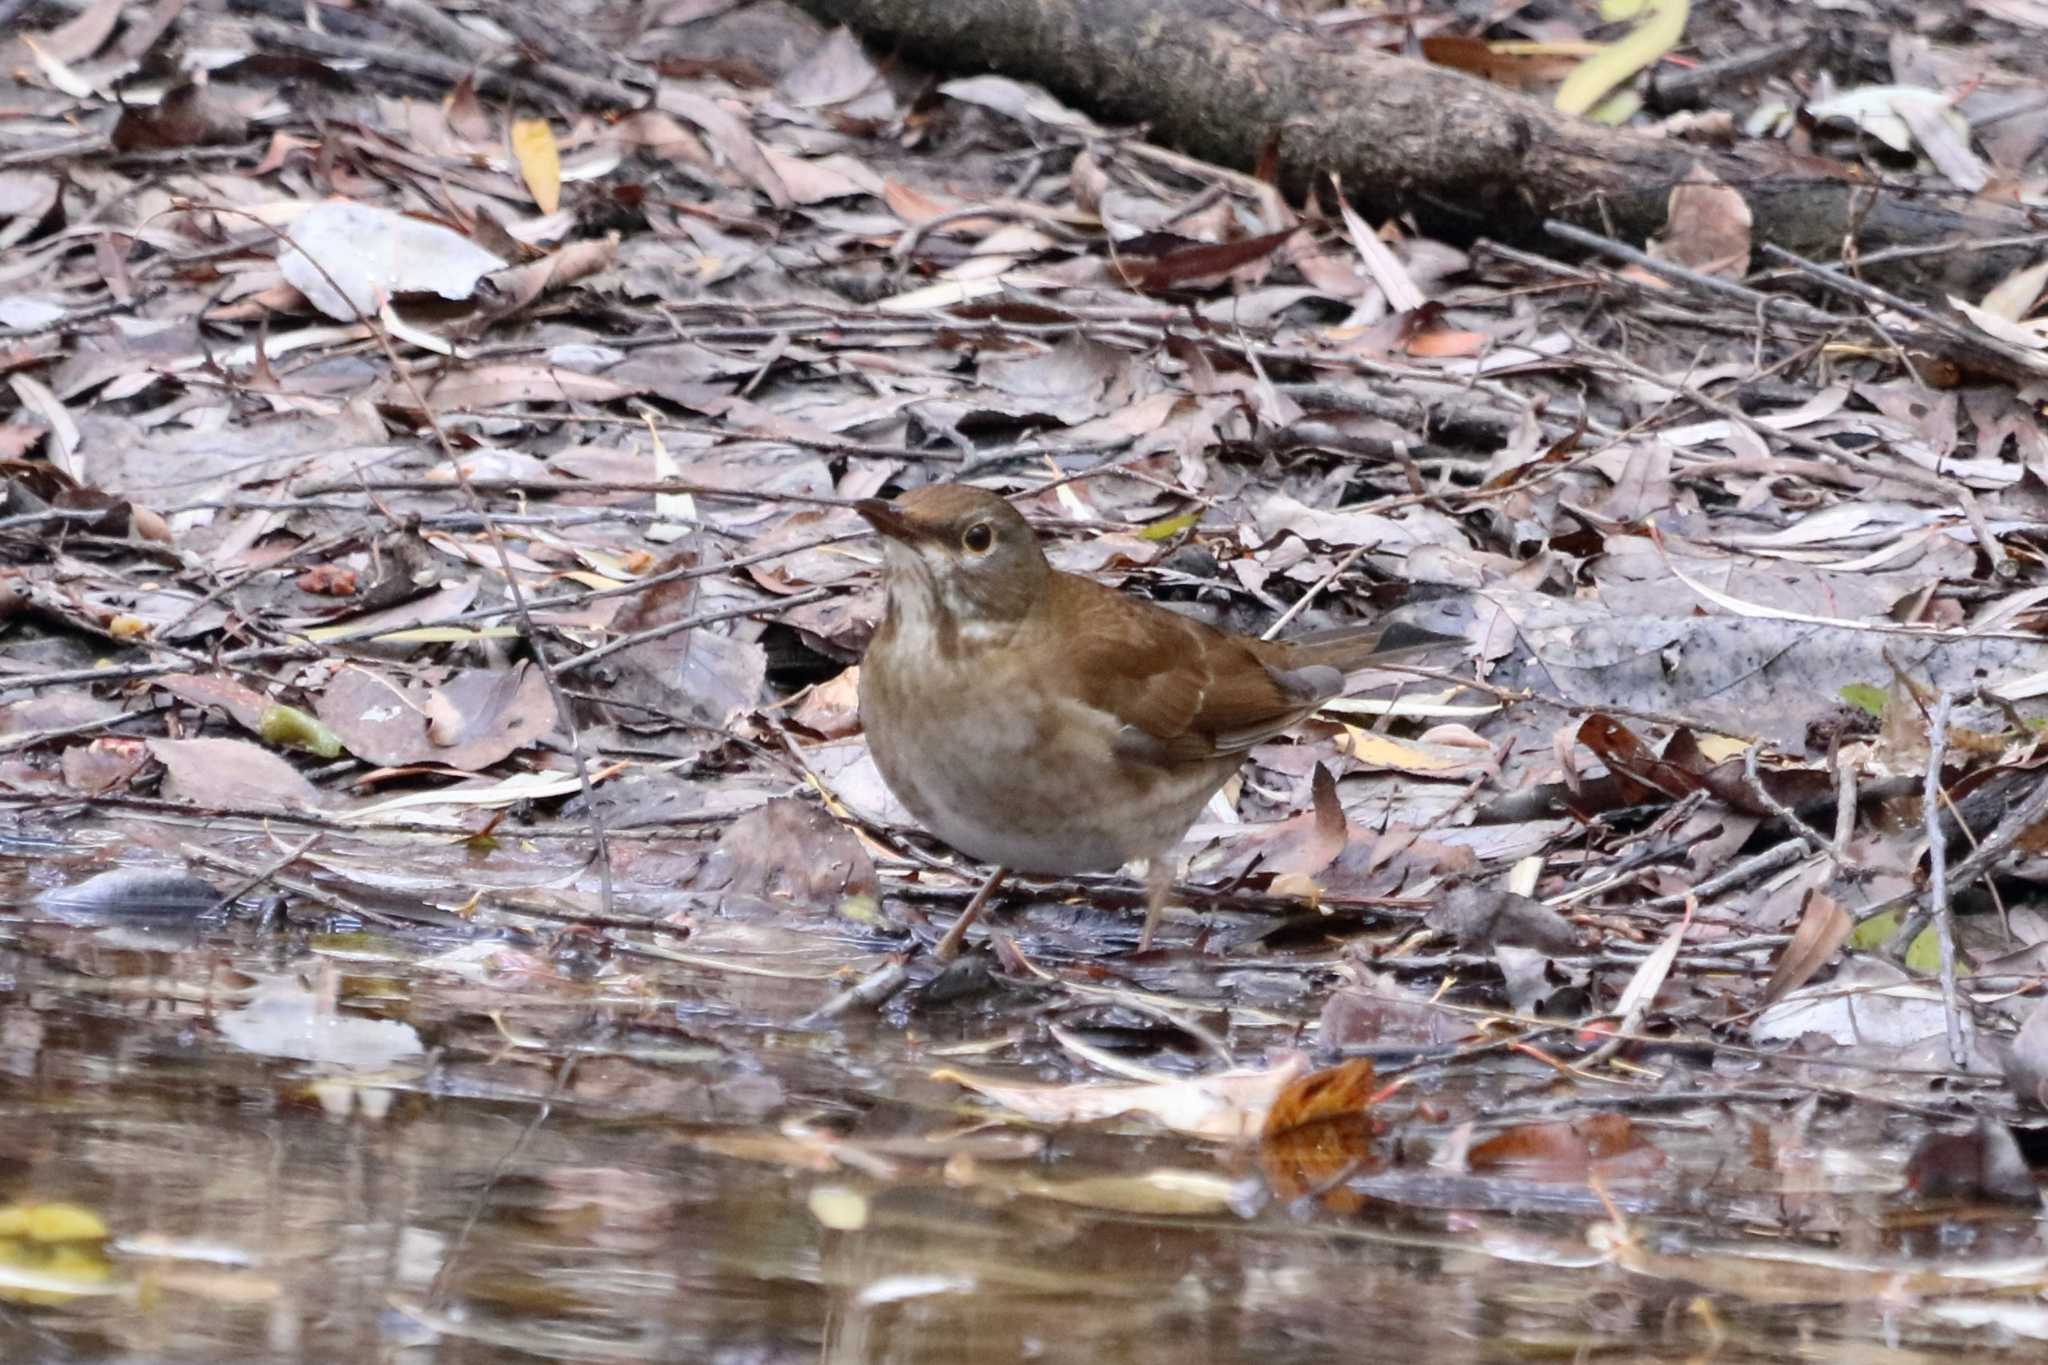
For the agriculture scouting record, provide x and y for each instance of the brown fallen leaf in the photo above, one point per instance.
(482, 715)
(273, 722)
(470, 721)
(218, 774)
(1318, 1131)
(1602, 1145)
(1182, 264)
(1520, 66)
(105, 764)
(792, 850)
(242, 703)
(1478, 916)
(1707, 227)
(1378, 1009)
(1824, 926)
(1983, 1164)
(729, 135)
(1303, 845)
(1446, 343)
(187, 116)
(1643, 774)
(327, 580)
(831, 708)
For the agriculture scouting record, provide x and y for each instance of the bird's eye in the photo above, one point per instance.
(978, 537)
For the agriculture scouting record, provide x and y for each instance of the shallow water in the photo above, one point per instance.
(602, 1155)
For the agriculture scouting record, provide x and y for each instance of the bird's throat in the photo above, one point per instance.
(927, 618)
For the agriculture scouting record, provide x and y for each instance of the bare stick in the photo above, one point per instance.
(1754, 781)
(1937, 873)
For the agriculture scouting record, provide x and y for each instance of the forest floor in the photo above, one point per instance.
(447, 909)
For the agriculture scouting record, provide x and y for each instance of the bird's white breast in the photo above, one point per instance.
(1025, 776)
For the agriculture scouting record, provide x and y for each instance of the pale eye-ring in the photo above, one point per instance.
(978, 537)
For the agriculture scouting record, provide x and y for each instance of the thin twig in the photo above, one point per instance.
(557, 1088)
(1845, 797)
(1752, 779)
(624, 642)
(2026, 362)
(252, 880)
(304, 890)
(1758, 865)
(2015, 823)
(1315, 590)
(1788, 309)
(1937, 873)
(867, 993)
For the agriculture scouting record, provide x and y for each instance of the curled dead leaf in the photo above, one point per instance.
(1318, 1132)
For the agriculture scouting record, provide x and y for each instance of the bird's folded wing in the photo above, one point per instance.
(1183, 691)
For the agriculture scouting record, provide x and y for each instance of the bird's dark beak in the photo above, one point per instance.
(889, 522)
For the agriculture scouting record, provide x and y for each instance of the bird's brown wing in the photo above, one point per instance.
(1184, 692)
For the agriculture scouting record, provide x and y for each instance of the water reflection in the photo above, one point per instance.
(707, 1183)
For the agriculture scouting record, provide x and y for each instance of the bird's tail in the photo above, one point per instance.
(1350, 648)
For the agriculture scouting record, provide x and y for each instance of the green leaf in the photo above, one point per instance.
(864, 910)
(293, 728)
(1874, 932)
(1863, 695)
(1924, 956)
(1172, 526)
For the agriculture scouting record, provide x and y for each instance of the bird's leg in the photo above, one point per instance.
(1158, 882)
(949, 946)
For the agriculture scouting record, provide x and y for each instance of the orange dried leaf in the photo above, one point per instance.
(1333, 1093)
(1605, 1145)
(1319, 1131)
(1446, 344)
(1520, 66)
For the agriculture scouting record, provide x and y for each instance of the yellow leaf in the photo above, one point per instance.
(1574, 47)
(594, 580)
(1384, 751)
(1165, 1192)
(1720, 748)
(127, 627)
(51, 1223)
(540, 161)
(52, 1275)
(1923, 954)
(1662, 25)
(839, 1208)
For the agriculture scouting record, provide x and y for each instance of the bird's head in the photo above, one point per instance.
(958, 552)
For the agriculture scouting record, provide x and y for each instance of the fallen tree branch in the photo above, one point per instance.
(1220, 80)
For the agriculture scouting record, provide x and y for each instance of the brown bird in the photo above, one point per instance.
(1046, 724)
